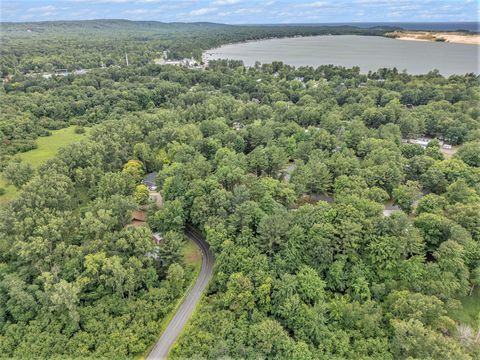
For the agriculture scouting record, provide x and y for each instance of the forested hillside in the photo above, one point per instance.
(248, 156)
(46, 46)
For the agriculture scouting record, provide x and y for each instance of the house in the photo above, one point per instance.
(157, 238)
(61, 72)
(422, 142)
(188, 63)
(80, 72)
(138, 215)
(138, 218)
(154, 195)
(237, 126)
(149, 181)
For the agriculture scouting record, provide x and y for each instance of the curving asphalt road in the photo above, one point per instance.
(164, 344)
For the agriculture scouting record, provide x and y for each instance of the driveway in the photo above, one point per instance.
(176, 325)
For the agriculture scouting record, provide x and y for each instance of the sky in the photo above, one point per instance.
(244, 11)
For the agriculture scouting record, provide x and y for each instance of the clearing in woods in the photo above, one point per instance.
(47, 148)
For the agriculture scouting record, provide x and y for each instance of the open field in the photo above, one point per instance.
(47, 148)
(49, 145)
(452, 37)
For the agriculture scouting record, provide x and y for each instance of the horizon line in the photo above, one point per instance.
(248, 24)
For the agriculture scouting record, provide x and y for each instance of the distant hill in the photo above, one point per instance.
(148, 26)
(44, 46)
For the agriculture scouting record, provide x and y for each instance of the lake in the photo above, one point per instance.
(367, 52)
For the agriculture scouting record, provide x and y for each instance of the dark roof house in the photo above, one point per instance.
(149, 181)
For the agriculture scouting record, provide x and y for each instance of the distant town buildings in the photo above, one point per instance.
(424, 141)
(187, 63)
(63, 72)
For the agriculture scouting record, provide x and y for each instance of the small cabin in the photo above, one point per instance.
(138, 218)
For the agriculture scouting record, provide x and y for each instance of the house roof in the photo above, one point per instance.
(150, 177)
(149, 180)
(138, 215)
(157, 237)
(136, 223)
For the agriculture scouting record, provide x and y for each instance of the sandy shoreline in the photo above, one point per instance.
(457, 38)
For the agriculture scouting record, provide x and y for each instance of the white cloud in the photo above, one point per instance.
(226, 2)
(137, 11)
(101, 1)
(315, 4)
(245, 11)
(42, 8)
(203, 11)
(242, 11)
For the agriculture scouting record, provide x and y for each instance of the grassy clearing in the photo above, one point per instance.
(10, 192)
(470, 312)
(192, 255)
(47, 148)
(48, 145)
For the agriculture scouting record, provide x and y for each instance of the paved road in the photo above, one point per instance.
(164, 344)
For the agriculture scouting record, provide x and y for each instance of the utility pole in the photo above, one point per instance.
(126, 58)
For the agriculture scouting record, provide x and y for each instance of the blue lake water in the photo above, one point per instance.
(367, 52)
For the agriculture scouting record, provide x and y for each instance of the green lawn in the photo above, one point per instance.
(192, 254)
(10, 193)
(47, 148)
(48, 145)
(470, 312)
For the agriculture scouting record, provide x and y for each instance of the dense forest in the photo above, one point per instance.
(286, 171)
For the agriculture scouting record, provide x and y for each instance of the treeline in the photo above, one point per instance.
(242, 153)
(46, 46)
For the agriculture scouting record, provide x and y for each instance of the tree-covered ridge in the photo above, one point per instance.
(46, 46)
(242, 153)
